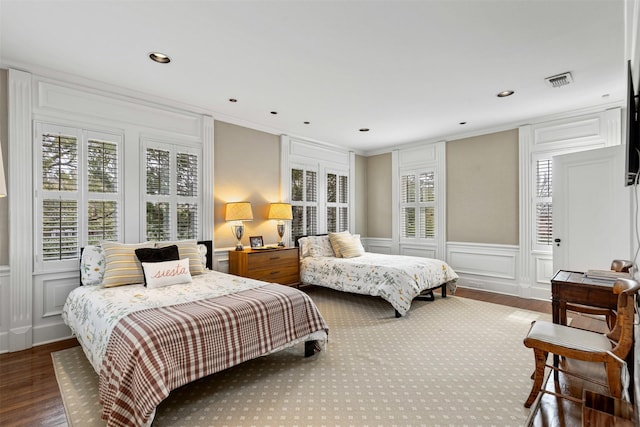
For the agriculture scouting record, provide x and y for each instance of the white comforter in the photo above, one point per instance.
(396, 278)
(92, 311)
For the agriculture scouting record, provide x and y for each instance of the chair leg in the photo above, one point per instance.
(613, 378)
(541, 360)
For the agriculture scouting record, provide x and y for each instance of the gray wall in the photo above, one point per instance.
(378, 196)
(482, 189)
(246, 168)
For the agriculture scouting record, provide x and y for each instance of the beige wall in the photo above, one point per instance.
(246, 168)
(4, 137)
(379, 196)
(360, 177)
(482, 189)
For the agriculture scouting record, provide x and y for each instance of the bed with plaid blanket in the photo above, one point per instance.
(153, 350)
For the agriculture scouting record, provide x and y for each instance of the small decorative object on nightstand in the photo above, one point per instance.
(281, 212)
(281, 265)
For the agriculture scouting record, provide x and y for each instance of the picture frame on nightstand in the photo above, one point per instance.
(256, 242)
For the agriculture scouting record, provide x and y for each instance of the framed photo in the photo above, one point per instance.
(256, 241)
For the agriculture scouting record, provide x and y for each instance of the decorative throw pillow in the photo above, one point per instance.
(159, 274)
(202, 250)
(168, 253)
(333, 238)
(320, 246)
(121, 264)
(350, 246)
(303, 244)
(187, 249)
(92, 265)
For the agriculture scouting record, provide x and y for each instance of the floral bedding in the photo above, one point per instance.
(398, 279)
(93, 311)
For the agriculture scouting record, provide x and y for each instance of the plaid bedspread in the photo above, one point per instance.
(154, 351)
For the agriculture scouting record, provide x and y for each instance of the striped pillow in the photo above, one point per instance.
(187, 249)
(122, 266)
(349, 245)
(334, 238)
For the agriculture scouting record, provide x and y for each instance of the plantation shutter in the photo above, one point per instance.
(304, 201)
(417, 205)
(172, 192)
(544, 211)
(337, 202)
(77, 194)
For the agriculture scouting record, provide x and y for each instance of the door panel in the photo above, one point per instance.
(591, 209)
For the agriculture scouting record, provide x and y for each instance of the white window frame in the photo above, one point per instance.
(304, 203)
(81, 195)
(417, 204)
(173, 199)
(337, 204)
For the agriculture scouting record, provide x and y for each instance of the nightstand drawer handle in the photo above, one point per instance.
(274, 272)
(273, 258)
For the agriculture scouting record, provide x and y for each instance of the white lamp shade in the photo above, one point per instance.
(280, 211)
(238, 211)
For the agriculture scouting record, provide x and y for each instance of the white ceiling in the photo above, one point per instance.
(408, 70)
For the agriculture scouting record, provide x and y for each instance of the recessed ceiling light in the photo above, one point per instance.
(274, 112)
(462, 123)
(160, 58)
(505, 93)
(364, 129)
(306, 123)
(233, 100)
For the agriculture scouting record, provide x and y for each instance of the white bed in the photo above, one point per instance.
(397, 279)
(144, 342)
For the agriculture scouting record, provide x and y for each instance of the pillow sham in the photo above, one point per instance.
(350, 246)
(319, 246)
(166, 273)
(333, 238)
(187, 249)
(122, 266)
(92, 265)
(168, 253)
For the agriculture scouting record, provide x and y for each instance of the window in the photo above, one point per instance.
(171, 195)
(337, 202)
(417, 205)
(543, 206)
(78, 194)
(304, 201)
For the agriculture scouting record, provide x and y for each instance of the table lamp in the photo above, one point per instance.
(235, 213)
(280, 212)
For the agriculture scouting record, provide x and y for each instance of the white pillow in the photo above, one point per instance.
(303, 243)
(92, 265)
(320, 246)
(159, 274)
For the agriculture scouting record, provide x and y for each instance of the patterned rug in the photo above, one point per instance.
(450, 362)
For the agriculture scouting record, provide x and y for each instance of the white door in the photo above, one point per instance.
(591, 209)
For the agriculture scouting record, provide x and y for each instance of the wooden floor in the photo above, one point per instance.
(29, 394)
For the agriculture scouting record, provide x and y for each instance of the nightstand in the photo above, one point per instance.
(280, 265)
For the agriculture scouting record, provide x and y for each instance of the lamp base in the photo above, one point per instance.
(239, 247)
(281, 243)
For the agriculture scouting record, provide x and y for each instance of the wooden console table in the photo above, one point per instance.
(574, 287)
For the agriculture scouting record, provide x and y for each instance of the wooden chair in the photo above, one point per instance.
(611, 348)
(619, 266)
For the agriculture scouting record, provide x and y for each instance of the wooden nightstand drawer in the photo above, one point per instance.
(271, 259)
(276, 266)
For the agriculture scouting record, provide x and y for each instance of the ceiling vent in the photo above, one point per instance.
(559, 80)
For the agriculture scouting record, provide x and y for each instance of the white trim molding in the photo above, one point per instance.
(484, 266)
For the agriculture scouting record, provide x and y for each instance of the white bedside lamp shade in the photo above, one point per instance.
(281, 212)
(236, 212)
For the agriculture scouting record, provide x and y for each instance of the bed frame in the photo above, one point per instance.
(426, 295)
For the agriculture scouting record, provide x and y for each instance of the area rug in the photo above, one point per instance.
(450, 362)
